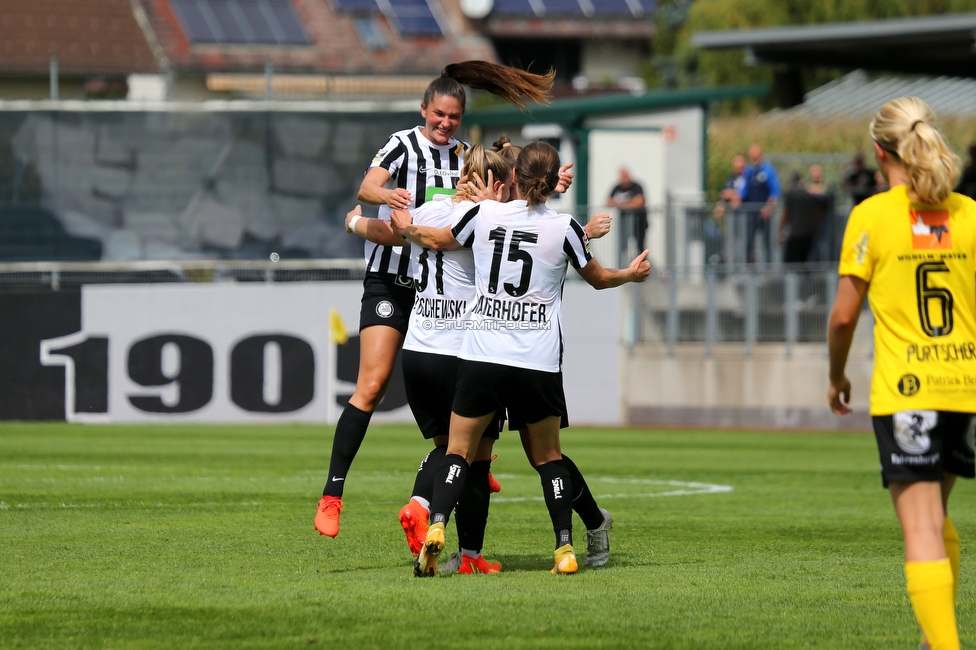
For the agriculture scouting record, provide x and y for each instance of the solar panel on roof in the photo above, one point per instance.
(257, 24)
(418, 26)
(265, 22)
(197, 27)
(577, 8)
(356, 5)
(563, 8)
(292, 31)
(231, 29)
(618, 8)
(414, 18)
(513, 7)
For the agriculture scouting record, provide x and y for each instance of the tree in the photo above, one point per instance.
(677, 63)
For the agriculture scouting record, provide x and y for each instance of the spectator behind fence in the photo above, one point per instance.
(628, 197)
(821, 249)
(860, 181)
(759, 194)
(967, 183)
(803, 212)
(728, 203)
(815, 184)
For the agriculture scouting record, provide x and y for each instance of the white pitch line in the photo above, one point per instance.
(691, 488)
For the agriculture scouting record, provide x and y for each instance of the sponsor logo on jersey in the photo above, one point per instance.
(930, 229)
(861, 248)
(909, 385)
(912, 430)
(446, 173)
(384, 309)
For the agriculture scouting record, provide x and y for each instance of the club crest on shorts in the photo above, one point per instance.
(912, 430)
(971, 434)
(384, 309)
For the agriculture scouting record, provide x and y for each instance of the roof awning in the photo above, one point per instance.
(933, 45)
(572, 112)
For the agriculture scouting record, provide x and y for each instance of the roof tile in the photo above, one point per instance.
(87, 36)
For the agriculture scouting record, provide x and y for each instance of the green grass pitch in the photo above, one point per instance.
(201, 537)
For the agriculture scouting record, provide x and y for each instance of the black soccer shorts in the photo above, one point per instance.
(515, 425)
(430, 381)
(920, 445)
(528, 395)
(387, 300)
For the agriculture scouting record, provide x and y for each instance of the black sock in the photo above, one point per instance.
(583, 502)
(558, 489)
(471, 514)
(448, 484)
(423, 485)
(349, 434)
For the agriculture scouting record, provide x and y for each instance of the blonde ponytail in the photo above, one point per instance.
(905, 127)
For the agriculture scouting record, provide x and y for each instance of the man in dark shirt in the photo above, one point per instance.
(628, 197)
(860, 181)
(803, 213)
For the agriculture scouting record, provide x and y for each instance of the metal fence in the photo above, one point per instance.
(706, 305)
(61, 275)
(695, 235)
(747, 305)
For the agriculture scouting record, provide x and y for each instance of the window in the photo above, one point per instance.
(370, 34)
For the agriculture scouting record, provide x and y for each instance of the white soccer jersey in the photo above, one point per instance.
(520, 256)
(419, 166)
(445, 285)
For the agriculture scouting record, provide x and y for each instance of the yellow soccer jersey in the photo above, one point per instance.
(921, 266)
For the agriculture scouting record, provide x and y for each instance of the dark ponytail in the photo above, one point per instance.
(514, 85)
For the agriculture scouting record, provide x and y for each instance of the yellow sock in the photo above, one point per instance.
(951, 539)
(930, 588)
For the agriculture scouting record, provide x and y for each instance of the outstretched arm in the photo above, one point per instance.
(375, 230)
(602, 278)
(438, 239)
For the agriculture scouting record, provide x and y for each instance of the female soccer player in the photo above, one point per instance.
(419, 162)
(510, 359)
(445, 297)
(912, 251)
(598, 521)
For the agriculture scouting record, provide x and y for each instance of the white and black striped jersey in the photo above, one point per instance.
(520, 256)
(419, 166)
(445, 285)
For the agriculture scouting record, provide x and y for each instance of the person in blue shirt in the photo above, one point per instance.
(760, 192)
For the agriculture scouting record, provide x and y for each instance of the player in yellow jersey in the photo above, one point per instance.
(912, 252)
